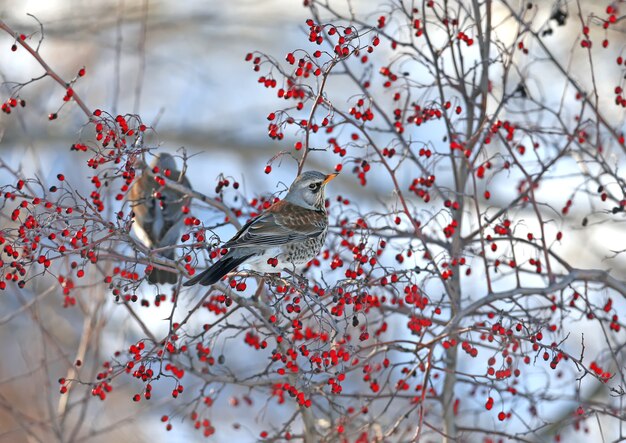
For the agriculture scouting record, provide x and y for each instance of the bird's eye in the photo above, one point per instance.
(314, 186)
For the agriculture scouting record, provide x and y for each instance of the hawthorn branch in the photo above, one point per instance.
(48, 70)
(571, 80)
(573, 275)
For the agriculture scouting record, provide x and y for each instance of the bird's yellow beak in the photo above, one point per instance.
(330, 177)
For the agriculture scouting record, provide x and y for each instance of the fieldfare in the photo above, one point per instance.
(159, 213)
(287, 235)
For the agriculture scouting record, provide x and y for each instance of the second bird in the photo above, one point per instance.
(159, 213)
(292, 231)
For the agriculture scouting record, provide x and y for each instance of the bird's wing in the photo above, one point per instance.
(281, 224)
(160, 223)
(172, 213)
(143, 204)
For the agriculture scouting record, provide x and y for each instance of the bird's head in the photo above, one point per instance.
(164, 161)
(307, 190)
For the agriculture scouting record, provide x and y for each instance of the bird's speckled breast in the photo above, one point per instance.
(302, 252)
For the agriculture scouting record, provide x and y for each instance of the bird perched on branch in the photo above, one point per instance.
(159, 213)
(287, 235)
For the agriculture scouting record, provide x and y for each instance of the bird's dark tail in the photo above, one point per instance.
(161, 276)
(217, 271)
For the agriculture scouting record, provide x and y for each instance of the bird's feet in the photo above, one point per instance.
(302, 281)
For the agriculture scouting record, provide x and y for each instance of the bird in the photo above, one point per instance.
(158, 213)
(287, 235)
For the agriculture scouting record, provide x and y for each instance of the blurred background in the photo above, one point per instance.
(180, 66)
